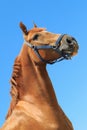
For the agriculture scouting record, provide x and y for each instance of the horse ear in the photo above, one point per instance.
(23, 28)
(35, 26)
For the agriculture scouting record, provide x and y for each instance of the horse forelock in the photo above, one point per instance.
(36, 30)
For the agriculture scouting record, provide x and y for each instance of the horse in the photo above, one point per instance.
(34, 105)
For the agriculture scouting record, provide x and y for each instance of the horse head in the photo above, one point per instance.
(49, 47)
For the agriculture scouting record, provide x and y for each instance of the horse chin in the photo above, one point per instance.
(73, 54)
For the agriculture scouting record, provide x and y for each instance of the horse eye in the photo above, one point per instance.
(35, 37)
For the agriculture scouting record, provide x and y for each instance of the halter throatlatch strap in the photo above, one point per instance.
(45, 47)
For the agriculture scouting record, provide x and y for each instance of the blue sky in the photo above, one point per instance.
(69, 78)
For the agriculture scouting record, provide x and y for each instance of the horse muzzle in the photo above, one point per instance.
(68, 46)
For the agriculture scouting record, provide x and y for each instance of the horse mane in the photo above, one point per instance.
(14, 86)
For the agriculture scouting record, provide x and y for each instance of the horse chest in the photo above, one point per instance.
(44, 116)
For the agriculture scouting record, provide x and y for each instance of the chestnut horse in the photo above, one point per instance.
(34, 105)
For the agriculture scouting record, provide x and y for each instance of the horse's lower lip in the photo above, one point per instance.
(70, 52)
(67, 51)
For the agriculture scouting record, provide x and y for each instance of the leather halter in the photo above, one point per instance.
(54, 47)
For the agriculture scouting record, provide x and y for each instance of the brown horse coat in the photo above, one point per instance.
(34, 105)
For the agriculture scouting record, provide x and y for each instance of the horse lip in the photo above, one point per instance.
(67, 52)
(71, 51)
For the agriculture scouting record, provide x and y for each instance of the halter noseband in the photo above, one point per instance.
(54, 47)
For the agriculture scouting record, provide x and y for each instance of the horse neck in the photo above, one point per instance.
(37, 86)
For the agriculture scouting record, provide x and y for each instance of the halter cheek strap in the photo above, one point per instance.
(45, 47)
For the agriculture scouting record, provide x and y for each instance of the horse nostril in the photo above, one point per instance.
(68, 40)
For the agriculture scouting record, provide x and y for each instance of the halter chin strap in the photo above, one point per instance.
(45, 47)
